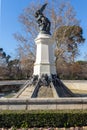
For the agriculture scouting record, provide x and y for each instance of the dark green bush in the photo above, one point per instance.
(43, 118)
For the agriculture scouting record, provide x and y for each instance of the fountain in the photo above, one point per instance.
(44, 90)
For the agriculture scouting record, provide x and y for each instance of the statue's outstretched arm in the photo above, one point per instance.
(43, 7)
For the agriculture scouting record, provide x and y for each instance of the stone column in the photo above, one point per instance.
(44, 55)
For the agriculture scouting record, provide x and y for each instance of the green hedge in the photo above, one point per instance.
(43, 118)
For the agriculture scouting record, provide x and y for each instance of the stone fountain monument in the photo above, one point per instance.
(44, 78)
(45, 64)
(45, 91)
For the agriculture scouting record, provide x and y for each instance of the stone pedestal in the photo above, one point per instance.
(44, 55)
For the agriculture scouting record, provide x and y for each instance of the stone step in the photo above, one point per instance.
(27, 92)
(44, 92)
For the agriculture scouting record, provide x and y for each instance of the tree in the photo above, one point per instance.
(4, 59)
(59, 13)
(14, 71)
(1, 49)
(27, 67)
(83, 72)
(68, 39)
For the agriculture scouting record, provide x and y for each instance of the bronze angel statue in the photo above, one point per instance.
(43, 22)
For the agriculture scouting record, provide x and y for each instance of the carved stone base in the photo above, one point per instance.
(44, 56)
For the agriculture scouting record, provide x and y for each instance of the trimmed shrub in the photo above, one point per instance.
(43, 118)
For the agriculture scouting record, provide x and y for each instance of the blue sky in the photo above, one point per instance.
(11, 9)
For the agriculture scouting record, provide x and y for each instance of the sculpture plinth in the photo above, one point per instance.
(44, 55)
